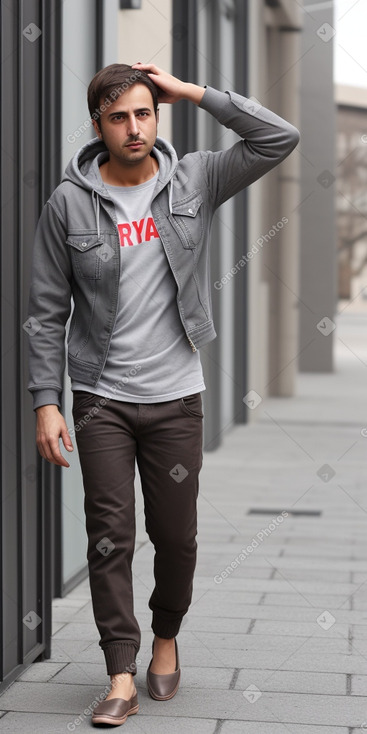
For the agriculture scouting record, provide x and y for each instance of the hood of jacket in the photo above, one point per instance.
(83, 170)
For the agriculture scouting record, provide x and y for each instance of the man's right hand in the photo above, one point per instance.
(50, 427)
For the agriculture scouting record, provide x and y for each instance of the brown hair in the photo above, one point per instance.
(112, 81)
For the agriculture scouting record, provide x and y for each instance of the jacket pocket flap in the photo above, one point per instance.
(189, 207)
(84, 242)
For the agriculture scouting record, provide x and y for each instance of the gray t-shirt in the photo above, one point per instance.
(150, 359)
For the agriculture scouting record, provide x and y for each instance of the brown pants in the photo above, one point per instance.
(166, 440)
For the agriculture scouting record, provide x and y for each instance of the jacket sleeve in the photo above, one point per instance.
(48, 310)
(266, 140)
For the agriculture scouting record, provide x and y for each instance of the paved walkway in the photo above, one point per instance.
(275, 641)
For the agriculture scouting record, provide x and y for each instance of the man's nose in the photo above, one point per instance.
(133, 128)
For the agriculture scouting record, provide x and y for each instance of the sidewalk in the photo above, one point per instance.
(277, 642)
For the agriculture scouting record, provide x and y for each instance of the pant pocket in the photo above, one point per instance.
(83, 399)
(192, 405)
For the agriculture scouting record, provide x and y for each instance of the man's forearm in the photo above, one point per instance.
(47, 408)
(193, 92)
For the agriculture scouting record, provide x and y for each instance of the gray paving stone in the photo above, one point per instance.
(359, 630)
(270, 642)
(233, 547)
(217, 624)
(298, 661)
(221, 606)
(328, 601)
(237, 605)
(276, 613)
(191, 677)
(82, 674)
(234, 583)
(41, 723)
(359, 602)
(82, 591)
(68, 651)
(63, 614)
(306, 574)
(244, 571)
(359, 578)
(63, 610)
(19, 723)
(154, 724)
(359, 647)
(318, 562)
(236, 727)
(83, 615)
(359, 686)
(41, 671)
(49, 697)
(272, 707)
(76, 631)
(293, 682)
(328, 551)
(56, 626)
(303, 629)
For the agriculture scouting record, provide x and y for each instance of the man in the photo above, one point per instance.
(126, 235)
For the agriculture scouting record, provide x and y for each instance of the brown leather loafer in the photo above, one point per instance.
(115, 710)
(164, 687)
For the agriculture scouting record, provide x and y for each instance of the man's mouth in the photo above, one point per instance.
(135, 144)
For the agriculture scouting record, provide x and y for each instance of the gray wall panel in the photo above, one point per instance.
(318, 241)
(28, 158)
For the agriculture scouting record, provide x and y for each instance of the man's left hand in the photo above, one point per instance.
(171, 89)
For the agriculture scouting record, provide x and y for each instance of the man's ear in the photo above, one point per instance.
(157, 115)
(95, 125)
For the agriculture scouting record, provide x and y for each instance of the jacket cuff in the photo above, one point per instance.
(213, 100)
(45, 396)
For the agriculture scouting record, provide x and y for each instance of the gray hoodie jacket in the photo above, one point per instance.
(77, 248)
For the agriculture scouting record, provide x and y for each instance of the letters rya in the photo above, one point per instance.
(134, 233)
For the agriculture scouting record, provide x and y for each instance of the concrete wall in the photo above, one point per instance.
(274, 49)
(317, 212)
(145, 35)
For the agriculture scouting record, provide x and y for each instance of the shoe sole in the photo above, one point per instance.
(104, 719)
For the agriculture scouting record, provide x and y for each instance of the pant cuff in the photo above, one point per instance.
(120, 658)
(166, 628)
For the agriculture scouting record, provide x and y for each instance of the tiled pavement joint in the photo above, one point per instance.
(251, 626)
(350, 638)
(233, 682)
(349, 684)
(219, 726)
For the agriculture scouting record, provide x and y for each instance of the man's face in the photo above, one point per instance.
(129, 126)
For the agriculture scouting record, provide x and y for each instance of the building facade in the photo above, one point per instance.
(351, 204)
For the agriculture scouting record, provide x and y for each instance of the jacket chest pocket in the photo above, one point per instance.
(187, 220)
(86, 254)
